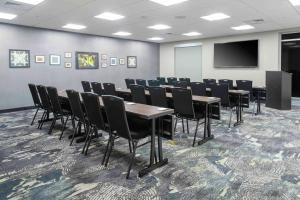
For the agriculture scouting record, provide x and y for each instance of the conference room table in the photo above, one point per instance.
(149, 113)
(207, 101)
(238, 93)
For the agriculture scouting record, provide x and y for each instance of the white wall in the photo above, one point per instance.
(269, 48)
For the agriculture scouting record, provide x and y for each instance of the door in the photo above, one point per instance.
(188, 62)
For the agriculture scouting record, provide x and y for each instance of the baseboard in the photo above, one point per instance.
(16, 109)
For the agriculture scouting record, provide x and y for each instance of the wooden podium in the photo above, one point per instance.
(279, 90)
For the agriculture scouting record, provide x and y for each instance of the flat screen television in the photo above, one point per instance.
(242, 54)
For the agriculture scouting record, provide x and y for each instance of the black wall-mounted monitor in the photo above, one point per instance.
(242, 54)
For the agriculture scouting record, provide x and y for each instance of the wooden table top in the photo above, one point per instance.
(201, 99)
(141, 110)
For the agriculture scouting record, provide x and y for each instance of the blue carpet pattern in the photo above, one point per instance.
(258, 160)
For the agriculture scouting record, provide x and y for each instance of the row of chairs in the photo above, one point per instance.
(96, 87)
(89, 113)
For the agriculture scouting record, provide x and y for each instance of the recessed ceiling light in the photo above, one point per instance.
(110, 16)
(295, 2)
(7, 16)
(192, 34)
(32, 2)
(215, 16)
(168, 2)
(74, 26)
(122, 33)
(159, 27)
(155, 38)
(242, 27)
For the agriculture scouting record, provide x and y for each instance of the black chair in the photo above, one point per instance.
(129, 82)
(97, 88)
(95, 118)
(246, 99)
(36, 100)
(162, 80)
(171, 80)
(78, 113)
(210, 82)
(180, 84)
(222, 91)
(184, 109)
(188, 80)
(158, 97)
(138, 94)
(109, 89)
(86, 86)
(120, 127)
(228, 82)
(153, 83)
(198, 88)
(141, 82)
(46, 105)
(58, 111)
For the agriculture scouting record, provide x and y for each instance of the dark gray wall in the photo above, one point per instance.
(13, 82)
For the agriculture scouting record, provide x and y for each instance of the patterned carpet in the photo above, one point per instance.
(259, 160)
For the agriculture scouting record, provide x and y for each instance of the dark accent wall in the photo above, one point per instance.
(13, 82)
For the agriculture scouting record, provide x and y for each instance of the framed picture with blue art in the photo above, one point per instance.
(87, 60)
(19, 58)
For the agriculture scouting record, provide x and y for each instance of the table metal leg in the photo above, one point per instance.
(239, 114)
(207, 131)
(258, 102)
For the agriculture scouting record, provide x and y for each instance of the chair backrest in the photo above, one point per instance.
(210, 82)
(54, 99)
(158, 96)
(129, 82)
(245, 85)
(34, 94)
(116, 116)
(141, 82)
(86, 86)
(188, 80)
(171, 80)
(93, 109)
(183, 102)
(75, 104)
(181, 84)
(228, 82)
(221, 91)
(162, 80)
(198, 88)
(97, 88)
(44, 97)
(138, 94)
(109, 89)
(153, 83)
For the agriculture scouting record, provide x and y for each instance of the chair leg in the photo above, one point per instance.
(175, 124)
(182, 124)
(253, 111)
(86, 140)
(64, 127)
(106, 150)
(74, 133)
(42, 118)
(187, 126)
(52, 125)
(134, 144)
(196, 130)
(90, 139)
(45, 117)
(37, 110)
(130, 146)
(231, 111)
(109, 151)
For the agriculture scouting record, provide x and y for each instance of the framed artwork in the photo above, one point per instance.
(54, 60)
(104, 65)
(68, 55)
(39, 59)
(87, 60)
(113, 61)
(19, 58)
(122, 61)
(103, 57)
(131, 61)
(68, 65)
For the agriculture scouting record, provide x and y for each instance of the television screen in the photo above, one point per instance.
(243, 54)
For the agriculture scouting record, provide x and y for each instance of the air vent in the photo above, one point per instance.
(17, 6)
(180, 17)
(255, 21)
(9, 3)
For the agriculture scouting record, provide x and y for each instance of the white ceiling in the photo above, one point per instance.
(53, 14)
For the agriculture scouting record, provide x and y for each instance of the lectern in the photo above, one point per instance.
(279, 90)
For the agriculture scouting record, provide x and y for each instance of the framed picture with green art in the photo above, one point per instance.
(87, 60)
(19, 58)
